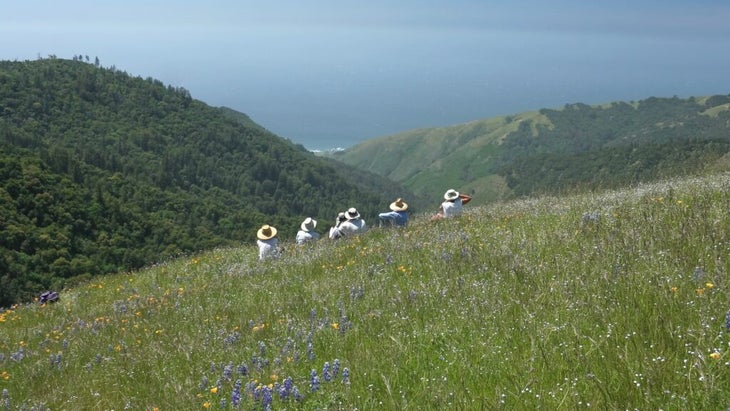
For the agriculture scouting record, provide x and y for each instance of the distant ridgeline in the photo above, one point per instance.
(576, 148)
(104, 172)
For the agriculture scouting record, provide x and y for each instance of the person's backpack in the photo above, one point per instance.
(48, 297)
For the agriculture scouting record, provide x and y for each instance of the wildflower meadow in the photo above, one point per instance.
(611, 300)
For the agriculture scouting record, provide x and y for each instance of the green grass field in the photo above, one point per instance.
(613, 301)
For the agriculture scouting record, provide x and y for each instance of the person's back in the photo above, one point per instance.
(267, 242)
(306, 231)
(452, 208)
(397, 216)
(354, 224)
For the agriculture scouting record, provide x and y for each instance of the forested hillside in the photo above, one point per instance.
(578, 147)
(104, 172)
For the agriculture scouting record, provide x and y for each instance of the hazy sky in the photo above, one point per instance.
(332, 73)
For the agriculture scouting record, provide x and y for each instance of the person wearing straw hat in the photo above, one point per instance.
(306, 231)
(354, 224)
(398, 214)
(452, 205)
(267, 242)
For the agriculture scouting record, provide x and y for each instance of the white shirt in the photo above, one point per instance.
(304, 236)
(348, 227)
(268, 248)
(452, 208)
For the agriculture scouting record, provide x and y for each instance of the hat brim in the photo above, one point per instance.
(261, 236)
(394, 206)
(312, 226)
(454, 195)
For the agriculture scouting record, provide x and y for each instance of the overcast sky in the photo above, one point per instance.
(332, 73)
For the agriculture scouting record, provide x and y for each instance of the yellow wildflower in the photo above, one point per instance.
(213, 390)
(709, 285)
(715, 355)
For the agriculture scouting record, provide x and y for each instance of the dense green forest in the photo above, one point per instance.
(105, 172)
(617, 145)
(577, 147)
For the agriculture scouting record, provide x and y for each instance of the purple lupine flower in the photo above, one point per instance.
(259, 363)
(266, 397)
(698, 275)
(55, 360)
(262, 348)
(326, 372)
(314, 380)
(286, 388)
(232, 338)
(236, 394)
(360, 292)
(227, 371)
(203, 384)
(18, 355)
(727, 320)
(287, 346)
(223, 404)
(335, 368)
(243, 370)
(310, 351)
(346, 376)
(296, 394)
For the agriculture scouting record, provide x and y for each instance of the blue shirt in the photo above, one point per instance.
(398, 218)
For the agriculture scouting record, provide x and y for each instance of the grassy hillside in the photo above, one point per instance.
(104, 172)
(614, 300)
(575, 148)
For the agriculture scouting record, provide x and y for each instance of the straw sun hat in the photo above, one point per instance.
(451, 194)
(266, 232)
(399, 205)
(352, 214)
(309, 224)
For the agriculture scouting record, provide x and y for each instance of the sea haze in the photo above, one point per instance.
(330, 74)
(353, 92)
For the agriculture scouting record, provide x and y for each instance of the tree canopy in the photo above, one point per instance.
(105, 172)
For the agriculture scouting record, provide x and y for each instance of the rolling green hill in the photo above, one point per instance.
(609, 301)
(575, 148)
(104, 172)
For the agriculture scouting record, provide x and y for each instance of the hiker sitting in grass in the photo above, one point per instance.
(267, 242)
(306, 231)
(334, 232)
(353, 224)
(452, 205)
(397, 216)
